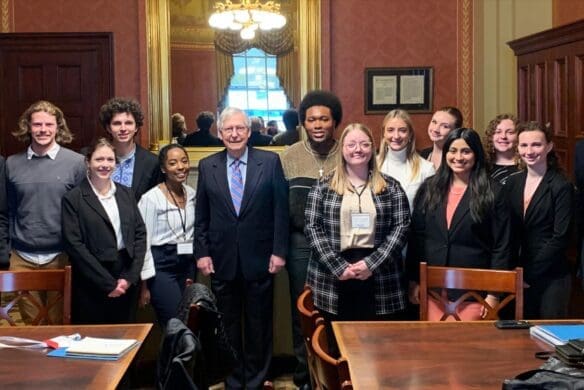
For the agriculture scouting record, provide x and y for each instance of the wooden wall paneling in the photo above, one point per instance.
(550, 84)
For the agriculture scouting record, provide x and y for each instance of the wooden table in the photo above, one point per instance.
(435, 355)
(32, 369)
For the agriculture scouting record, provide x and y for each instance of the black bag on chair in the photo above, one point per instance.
(176, 359)
(218, 358)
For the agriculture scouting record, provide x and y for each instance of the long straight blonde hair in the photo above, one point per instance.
(412, 156)
(339, 181)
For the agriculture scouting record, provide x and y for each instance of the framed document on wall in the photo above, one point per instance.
(406, 88)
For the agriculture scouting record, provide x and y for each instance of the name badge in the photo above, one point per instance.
(184, 248)
(360, 220)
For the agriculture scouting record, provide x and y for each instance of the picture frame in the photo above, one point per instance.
(410, 89)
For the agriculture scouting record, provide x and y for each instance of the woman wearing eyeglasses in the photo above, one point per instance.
(357, 221)
(460, 219)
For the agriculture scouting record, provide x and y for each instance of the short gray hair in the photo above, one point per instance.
(228, 113)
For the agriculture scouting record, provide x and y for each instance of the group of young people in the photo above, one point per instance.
(351, 220)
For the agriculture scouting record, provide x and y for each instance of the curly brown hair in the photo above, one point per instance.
(63, 136)
(117, 106)
(491, 154)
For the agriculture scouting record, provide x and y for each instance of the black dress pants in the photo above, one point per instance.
(247, 307)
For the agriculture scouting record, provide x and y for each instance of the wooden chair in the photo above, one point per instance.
(22, 282)
(476, 282)
(332, 374)
(308, 320)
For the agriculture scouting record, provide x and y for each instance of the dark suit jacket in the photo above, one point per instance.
(260, 230)
(579, 175)
(4, 262)
(543, 234)
(467, 243)
(90, 239)
(200, 138)
(147, 172)
(258, 139)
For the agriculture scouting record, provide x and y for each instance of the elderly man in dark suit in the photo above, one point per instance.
(241, 239)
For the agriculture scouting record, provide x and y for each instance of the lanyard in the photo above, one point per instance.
(363, 187)
(183, 222)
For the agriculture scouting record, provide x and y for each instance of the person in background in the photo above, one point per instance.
(460, 219)
(4, 247)
(442, 123)
(179, 127)
(36, 180)
(501, 147)
(241, 241)
(106, 241)
(542, 205)
(291, 135)
(202, 135)
(168, 211)
(305, 163)
(136, 167)
(357, 222)
(398, 157)
(257, 138)
(272, 128)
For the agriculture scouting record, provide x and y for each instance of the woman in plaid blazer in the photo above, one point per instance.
(357, 222)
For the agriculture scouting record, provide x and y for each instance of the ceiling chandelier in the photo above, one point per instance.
(247, 16)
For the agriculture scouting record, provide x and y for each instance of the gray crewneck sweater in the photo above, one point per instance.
(35, 188)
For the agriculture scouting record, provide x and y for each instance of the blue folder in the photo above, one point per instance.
(62, 353)
(558, 334)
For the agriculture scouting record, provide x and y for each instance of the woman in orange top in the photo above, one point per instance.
(460, 219)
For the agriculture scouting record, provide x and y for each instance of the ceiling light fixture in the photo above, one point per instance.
(247, 17)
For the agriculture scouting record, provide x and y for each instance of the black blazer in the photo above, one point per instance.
(147, 172)
(543, 235)
(4, 262)
(467, 243)
(90, 240)
(260, 230)
(579, 219)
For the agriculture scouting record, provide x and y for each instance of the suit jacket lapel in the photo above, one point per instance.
(538, 195)
(138, 167)
(253, 175)
(222, 180)
(91, 199)
(462, 209)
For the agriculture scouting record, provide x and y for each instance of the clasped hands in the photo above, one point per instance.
(358, 270)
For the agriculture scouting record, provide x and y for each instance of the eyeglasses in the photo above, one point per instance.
(362, 145)
(238, 129)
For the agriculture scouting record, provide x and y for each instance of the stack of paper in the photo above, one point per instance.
(557, 334)
(96, 348)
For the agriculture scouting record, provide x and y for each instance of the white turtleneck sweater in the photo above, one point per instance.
(397, 166)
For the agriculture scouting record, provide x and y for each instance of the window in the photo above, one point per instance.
(255, 87)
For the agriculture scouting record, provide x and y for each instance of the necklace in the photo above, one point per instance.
(321, 165)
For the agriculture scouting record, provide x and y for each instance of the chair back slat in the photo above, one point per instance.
(309, 317)
(476, 282)
(333, 374)
(23, 282)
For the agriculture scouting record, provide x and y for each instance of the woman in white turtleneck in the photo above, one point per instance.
(397, 154)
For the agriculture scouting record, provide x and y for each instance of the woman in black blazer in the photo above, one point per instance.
(105, 239)
(542, 205)
(460, 219)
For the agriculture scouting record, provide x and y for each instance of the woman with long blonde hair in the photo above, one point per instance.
(357, 221)
(398, 157)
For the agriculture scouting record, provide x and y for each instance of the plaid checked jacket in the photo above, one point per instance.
(322, 229)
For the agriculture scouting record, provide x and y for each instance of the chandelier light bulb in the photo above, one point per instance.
(248, 32)
(247, 16)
